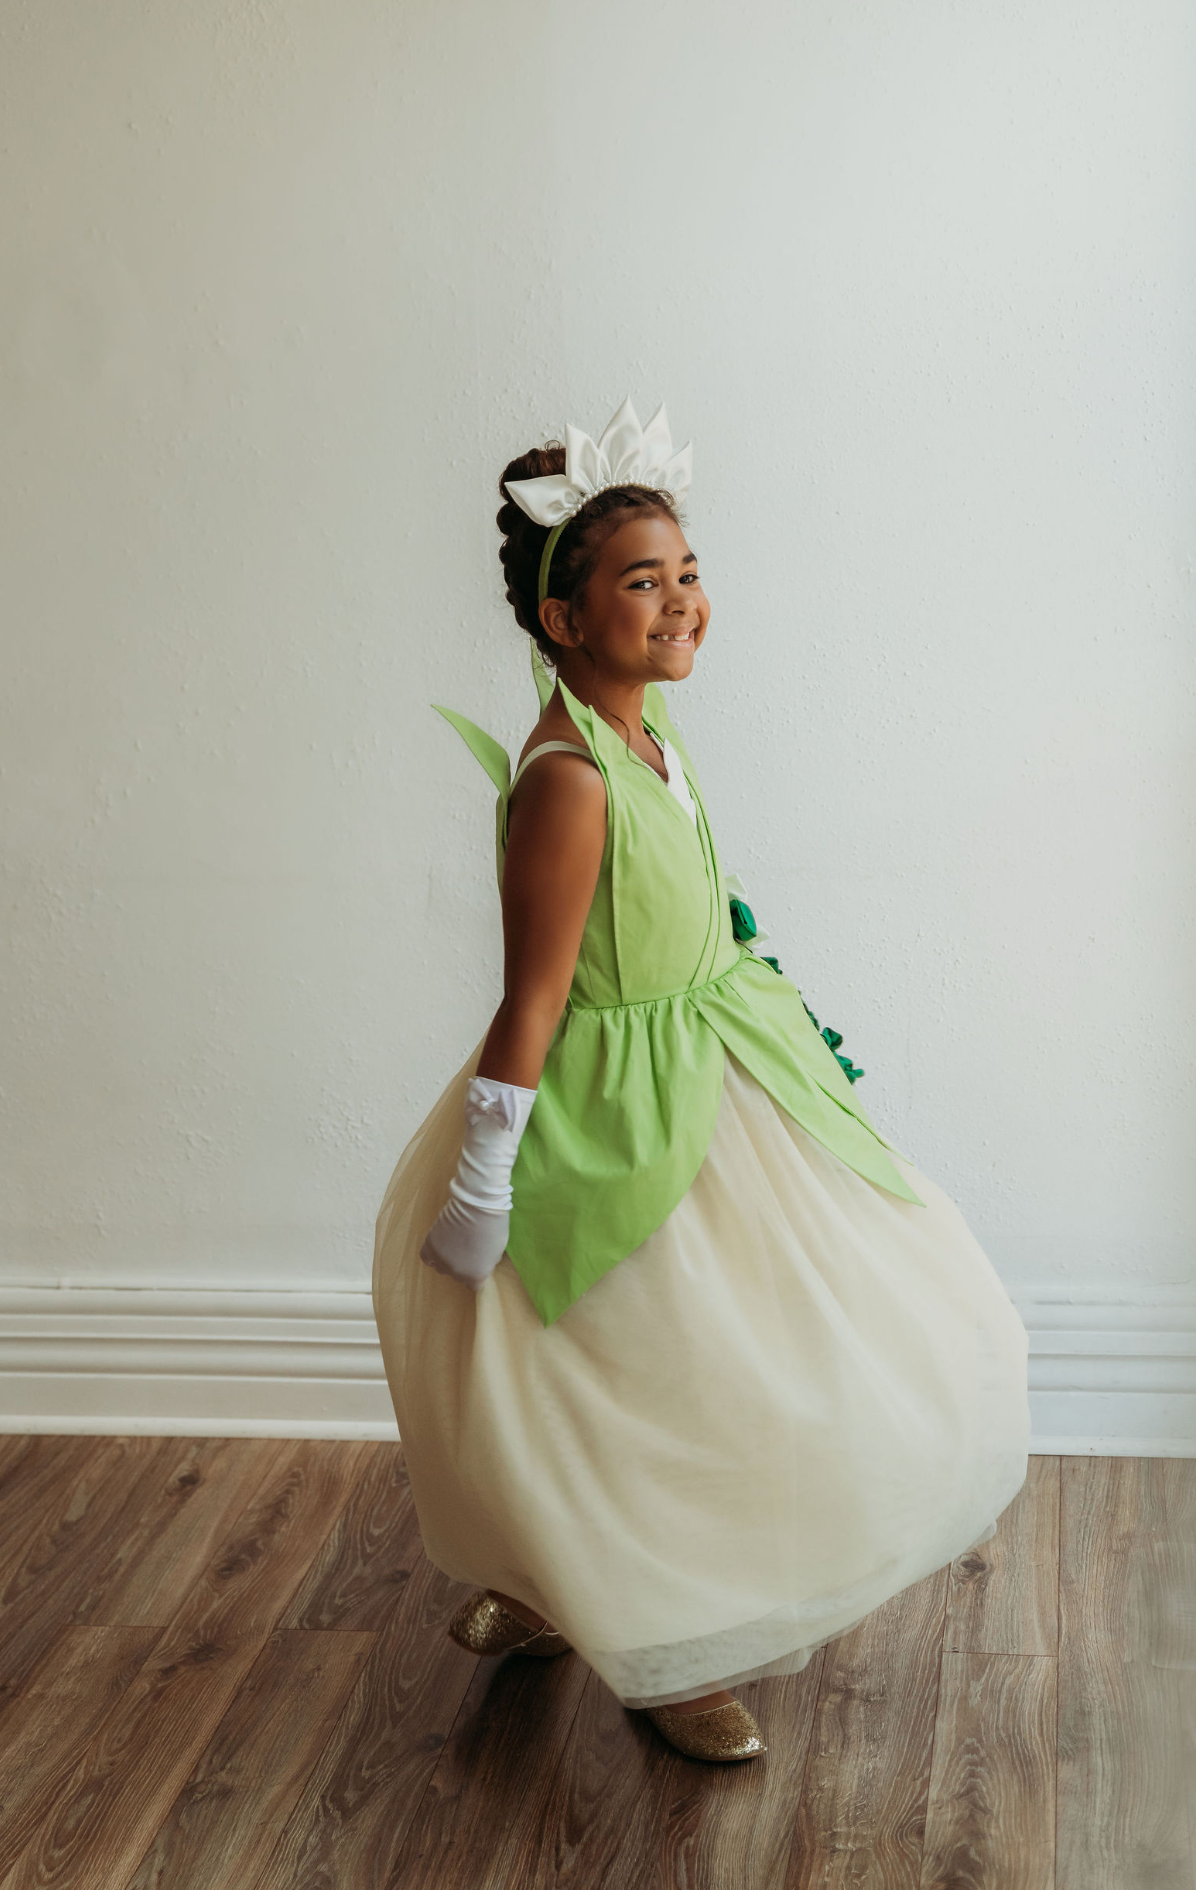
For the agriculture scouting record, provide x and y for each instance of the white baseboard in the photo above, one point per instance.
(153, 1361)
(1112, 1371)
(1111, 1374)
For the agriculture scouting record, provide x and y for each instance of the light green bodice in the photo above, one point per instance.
(627, 1101)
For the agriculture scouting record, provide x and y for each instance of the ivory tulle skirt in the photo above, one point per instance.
(798, 1396)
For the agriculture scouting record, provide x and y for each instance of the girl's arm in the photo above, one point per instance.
(555, 838)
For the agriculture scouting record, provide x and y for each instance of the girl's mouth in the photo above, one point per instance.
(672, 636)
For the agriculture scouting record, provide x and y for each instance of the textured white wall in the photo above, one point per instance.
(285, 287)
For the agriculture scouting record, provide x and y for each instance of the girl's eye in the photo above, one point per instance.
(691, 577)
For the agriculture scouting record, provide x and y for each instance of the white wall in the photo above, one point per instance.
(285, 287)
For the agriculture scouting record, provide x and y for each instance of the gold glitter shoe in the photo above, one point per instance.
(718, 1732)
(483, 1626)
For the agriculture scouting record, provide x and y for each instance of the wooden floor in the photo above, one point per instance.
(224, 1667)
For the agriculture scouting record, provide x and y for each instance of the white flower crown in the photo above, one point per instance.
(626, 455)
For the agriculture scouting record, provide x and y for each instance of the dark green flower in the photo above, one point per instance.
(833, 1038)
(743, 920)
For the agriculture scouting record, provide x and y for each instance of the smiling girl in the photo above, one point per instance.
(692, 1368)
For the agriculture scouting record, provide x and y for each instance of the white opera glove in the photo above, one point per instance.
(469, 1236)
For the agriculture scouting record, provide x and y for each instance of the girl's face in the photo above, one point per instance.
(644, 611)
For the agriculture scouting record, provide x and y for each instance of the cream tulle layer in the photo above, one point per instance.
(800, 1395)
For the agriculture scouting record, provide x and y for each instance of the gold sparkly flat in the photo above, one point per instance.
(483, 1626)
(718, 1732)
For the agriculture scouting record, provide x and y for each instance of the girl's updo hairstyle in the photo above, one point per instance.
(578, 546)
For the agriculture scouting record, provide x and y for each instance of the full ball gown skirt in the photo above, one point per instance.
(798, 1396)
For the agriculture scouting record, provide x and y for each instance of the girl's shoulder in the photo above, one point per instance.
(554, 788)
(555, 725)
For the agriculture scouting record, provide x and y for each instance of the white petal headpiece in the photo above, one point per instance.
(626, 455)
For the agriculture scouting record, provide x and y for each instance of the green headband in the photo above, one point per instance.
(546, 556)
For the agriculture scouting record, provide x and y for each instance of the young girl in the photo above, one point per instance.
(692, 1369)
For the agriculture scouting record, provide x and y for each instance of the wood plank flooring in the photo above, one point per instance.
(223, 1666)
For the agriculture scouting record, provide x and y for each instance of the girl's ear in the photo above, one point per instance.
(554, 616)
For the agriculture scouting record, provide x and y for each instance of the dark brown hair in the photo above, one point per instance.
(578, 546)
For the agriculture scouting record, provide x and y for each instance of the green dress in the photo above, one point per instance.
(734, 1383)
(630, 1090)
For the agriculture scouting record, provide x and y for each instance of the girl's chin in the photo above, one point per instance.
(671, 655)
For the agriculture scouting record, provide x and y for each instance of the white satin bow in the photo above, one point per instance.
(486, 1096)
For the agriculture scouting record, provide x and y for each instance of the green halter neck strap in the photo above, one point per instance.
(540, 676)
